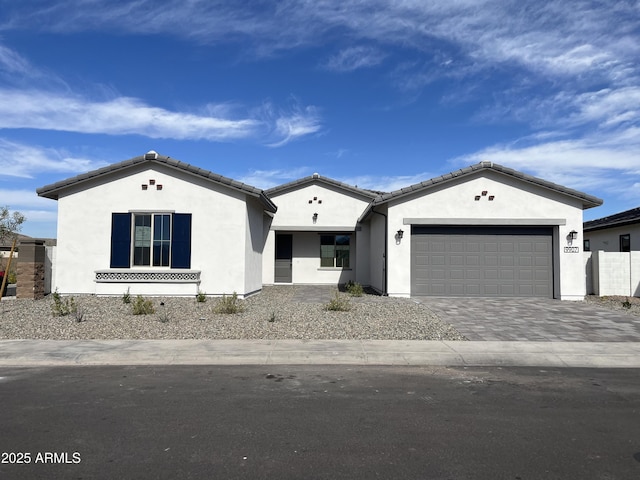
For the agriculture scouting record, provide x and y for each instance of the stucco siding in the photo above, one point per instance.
(513, 202)
(219, 219)
(608, 240)
(335, 208)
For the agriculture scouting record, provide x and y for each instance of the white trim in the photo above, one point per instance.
(485, 221)
(119, 275)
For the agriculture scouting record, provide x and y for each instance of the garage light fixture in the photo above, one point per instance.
(573, 235)
(400, 234)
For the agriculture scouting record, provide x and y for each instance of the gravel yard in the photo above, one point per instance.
(276, 313)
(628, 304)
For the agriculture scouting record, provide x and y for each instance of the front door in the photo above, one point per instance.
(284, 255)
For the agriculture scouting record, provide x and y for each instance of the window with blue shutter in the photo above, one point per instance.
(153, 236)
(120, 240)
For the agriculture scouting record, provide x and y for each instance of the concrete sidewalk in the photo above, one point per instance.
(17, 353)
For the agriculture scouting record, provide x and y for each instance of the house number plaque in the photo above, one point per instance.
(571, 249)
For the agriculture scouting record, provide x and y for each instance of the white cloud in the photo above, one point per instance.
(387, 183)
(120, 116)
(12, 62)
(266, 179)
(54, 111)
(293, 124)
(19, 160)
(21, 199)
(586, 163)
(354, 58)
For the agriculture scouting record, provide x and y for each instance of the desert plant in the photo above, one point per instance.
(126, 297)
(626, 303)
(142, 306)
(201, 296)
(354, 289)
(228, 305)
(163, 315)
(79, 314)
(63, 307)
(338, 303)
(272, 317)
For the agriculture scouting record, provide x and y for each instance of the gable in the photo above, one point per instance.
(336, 208)
(485, 195)
(151, 160)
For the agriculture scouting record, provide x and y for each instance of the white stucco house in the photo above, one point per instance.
(158, 226)
(162, 227)
(619, 232)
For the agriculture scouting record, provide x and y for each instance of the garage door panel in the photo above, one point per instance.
(483, 261)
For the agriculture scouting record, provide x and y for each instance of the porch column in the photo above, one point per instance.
(31, 271)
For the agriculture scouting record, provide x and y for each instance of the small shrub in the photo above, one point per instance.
(201, 297)
(63, 307)
(272, 317)
(79, 314)
(12, 278)
(338, 303)
(126, 297)
(163, 315)
(626, 303)
(354, 289)
(142, 306)
(228, 305)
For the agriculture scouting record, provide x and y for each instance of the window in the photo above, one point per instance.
(625, 243)
(334, 251)
(587, 245)
(151, 249)
(150, 239)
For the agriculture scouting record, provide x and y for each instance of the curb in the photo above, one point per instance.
(31, 353)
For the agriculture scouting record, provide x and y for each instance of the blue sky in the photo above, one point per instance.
(378, 93)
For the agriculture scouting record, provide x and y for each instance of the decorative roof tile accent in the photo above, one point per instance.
(627, 217)
(53, 190)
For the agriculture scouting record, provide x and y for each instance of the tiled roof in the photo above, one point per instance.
(617, 220)
(53, 190)
(319, 178)
(588, 201)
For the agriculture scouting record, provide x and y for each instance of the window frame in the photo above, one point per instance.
(154, 249)
(625, 242)
(337, 259)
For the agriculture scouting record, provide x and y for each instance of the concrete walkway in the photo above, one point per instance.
(16, 353)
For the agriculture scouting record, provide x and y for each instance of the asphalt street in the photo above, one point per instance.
(317, 422)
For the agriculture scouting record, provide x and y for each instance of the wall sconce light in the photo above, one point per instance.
(315, 217)
(400, 234)
(573, 235)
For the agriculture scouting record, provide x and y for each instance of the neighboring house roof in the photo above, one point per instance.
(588, 201)
(8, 241)
(53, 190)
(627, 217)
(316, 178)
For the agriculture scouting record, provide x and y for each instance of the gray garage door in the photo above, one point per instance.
(482, 261)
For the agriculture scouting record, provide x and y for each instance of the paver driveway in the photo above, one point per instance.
(534, 319)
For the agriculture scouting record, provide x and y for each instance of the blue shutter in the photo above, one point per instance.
(181, 241)
(120, 240)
